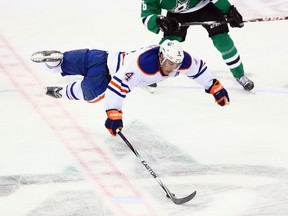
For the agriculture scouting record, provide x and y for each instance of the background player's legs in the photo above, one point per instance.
(230, 55)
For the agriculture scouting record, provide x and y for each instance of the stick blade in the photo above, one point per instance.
(182, 200)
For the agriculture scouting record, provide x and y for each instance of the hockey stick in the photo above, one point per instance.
(168, 193)
(263, 19)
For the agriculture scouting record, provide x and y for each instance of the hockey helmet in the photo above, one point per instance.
(171, 50)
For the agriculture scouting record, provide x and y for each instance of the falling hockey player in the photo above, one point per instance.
(116, 74)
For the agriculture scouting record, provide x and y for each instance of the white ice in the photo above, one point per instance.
(57, 158)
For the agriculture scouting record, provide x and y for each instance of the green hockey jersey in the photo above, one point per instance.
(150, 9)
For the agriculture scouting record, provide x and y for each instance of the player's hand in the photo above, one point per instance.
(114, 121)
(167, 24)
(235, 18)
(219, 92)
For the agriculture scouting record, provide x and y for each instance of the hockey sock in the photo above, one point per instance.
(54, 67)
(73, 91)
(230, 55)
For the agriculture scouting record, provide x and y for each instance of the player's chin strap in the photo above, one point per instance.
(167, 191)
(261, 19)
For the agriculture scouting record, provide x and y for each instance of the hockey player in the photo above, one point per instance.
(181, 11)
(127, 70)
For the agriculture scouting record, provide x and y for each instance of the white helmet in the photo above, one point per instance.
(171, 50)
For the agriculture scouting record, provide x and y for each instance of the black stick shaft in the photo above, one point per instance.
(261, 19)
(145, 164)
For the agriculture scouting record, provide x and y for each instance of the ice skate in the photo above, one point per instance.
(54, 91)
(47, 56)
(247, 84)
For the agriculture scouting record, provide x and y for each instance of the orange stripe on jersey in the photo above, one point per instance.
(118, 87)
(123, 56)
(97, 99)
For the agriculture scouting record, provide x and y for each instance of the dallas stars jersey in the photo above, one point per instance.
(150, 9)
(141, 68)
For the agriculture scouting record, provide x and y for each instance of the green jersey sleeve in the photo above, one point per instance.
(150, 9)
(223, 5)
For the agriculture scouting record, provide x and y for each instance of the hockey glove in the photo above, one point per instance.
(167, 24)
(235, 18)
(219, 92)
(114, 121)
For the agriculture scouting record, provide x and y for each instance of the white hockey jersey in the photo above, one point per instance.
(141, 68)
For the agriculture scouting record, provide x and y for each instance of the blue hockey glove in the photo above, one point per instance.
(114, 121)
(167, 24)
(235, 18)
(219, 92)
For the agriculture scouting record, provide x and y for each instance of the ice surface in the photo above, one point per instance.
(56, 157)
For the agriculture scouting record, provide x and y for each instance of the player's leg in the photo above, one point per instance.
(84, 62)
(230, 55)
(224, 43)
(95, 77)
